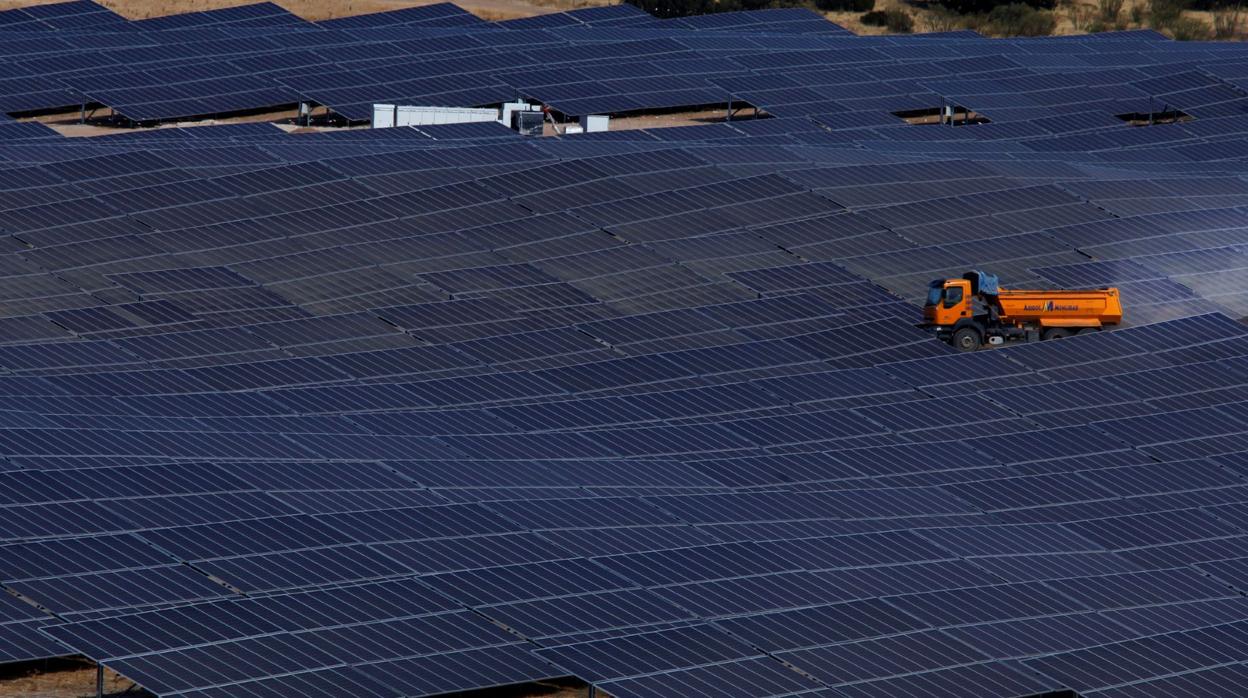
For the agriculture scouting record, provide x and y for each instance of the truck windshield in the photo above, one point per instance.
(933, 291)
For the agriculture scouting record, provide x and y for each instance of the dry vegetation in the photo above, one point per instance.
(329, 9)
(76, 679)
(62, 679)
(1075, 17)
(1071, 16)
(853, 20)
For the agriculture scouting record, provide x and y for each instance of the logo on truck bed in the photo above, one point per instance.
(1050, 306)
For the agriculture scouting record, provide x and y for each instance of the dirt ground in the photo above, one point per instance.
(684, 118)
(63, 679)
(330, 9)
(665, 120)
(512, 9)
(68, 125)
(76, 679)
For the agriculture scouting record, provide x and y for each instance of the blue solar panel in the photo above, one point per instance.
(441, 408)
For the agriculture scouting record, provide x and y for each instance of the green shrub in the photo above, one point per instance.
(1019, 20)
(1109, 10)
(900, 22)
(1163, 13)
(1137, 14)
(845, 5)
(972, 7)
(897, 20)
(1097, 26)
(941, 19)
(1081, 17)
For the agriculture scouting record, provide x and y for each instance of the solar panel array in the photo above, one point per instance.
(419, 410)
(789, 62)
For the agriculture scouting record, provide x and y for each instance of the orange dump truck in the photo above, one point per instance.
(973, 310)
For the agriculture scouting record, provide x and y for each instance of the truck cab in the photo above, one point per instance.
(948, 300)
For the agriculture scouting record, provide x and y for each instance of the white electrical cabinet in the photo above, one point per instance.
(594, 123)
(388, 115)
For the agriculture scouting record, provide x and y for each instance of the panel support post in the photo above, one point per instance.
(99, 680)
(82, 114)
(729, 117)
(593, 691)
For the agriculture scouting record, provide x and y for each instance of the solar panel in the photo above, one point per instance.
(443, 408)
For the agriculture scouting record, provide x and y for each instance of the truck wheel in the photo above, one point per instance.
(1056, 333)
(1089, 330)
(966, 339)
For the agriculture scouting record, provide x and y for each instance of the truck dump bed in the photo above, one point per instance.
(1057, 308)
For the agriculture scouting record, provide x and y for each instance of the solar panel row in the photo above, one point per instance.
(418, 410)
